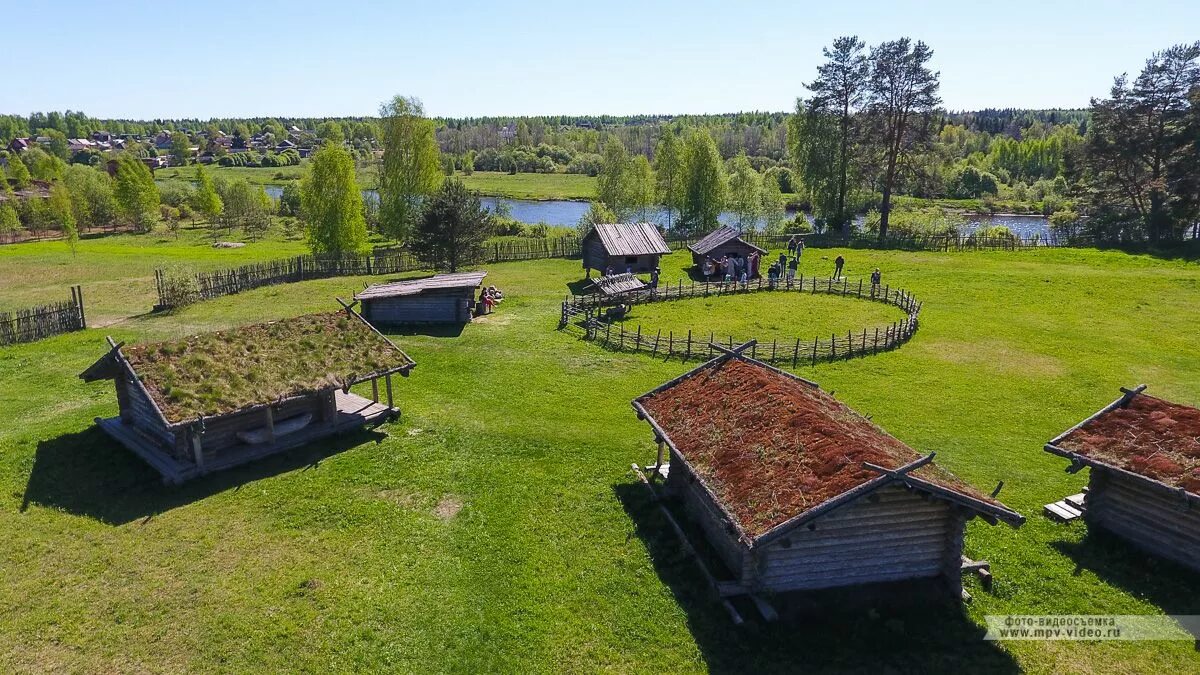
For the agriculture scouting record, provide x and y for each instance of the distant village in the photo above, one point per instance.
(205, 147)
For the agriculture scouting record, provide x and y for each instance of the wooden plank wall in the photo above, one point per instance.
(1159, 523)
(897, 537)
(430, 307)
(701, 508)
(137, 410)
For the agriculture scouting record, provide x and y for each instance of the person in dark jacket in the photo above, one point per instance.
(838, 263)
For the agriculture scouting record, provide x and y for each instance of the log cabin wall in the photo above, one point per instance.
(220, 433)
(701, 509)
(897, 536)
(1155, 521)
(638, 264)
(137, 410)
(436, 306)
(594, 255)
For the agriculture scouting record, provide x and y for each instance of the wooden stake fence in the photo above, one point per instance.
(36, 323)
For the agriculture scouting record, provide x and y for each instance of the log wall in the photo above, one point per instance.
(890, 535)
(452, 306)
(137, 410)
(220, 433)
(1157, 522)
(701, 509)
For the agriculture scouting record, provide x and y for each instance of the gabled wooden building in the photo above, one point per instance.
(214, 401)
(1144, 485)
(624, 247)
(442, 298)
(721, 242)
(794, 491)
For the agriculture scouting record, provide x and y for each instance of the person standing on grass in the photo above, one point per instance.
(707, 269)
(799, 247)
(876, 277)
(792, 265)
(654, 277)
(838, 264)
(726, 269)
(791, 246)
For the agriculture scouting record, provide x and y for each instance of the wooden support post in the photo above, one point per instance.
(375, 389)
(270, 415)
(387, 381)
(197, 450)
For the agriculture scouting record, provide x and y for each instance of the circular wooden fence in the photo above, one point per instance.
(583, 314)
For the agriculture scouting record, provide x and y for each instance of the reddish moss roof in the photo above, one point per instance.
(771, 447)
(1150, 437)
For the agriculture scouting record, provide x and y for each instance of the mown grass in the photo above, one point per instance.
(344, 556)
(764, 316)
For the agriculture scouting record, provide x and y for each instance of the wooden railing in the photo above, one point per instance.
(36, 323)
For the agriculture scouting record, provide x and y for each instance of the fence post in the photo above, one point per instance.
(689, 342)
(814, 354)
(82, 317)
(670, 344)
(796, 353)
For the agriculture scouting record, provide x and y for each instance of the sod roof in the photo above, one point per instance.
(217, 373)
(1147, 436)
(771, 447)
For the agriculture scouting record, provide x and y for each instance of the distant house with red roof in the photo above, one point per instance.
(1143, 456)
(795, 491)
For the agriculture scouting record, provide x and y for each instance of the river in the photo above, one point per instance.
(563, 212)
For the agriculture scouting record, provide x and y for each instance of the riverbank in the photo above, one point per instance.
(528, 186)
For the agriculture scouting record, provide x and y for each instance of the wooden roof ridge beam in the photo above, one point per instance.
(900, 471)
(1127, 395)
(736, 351)
(403, 370)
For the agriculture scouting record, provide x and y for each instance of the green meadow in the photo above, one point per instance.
(497, 528)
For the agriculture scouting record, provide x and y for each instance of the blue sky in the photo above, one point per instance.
(235, 59)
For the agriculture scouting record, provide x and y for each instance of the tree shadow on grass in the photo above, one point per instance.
(1169, 586)
(829, 631)
(89, 474)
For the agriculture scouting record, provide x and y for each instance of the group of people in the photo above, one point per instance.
(489, 297)
(731, 268)
(784, 268)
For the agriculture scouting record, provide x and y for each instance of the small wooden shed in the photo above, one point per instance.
(721, 242)
(210, 402)
(618, 286)
(1144, 483)
(625, 247)
(794, 491)
(442, 298)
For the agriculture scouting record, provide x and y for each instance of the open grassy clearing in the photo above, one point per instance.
(764, 316)
(496, 528)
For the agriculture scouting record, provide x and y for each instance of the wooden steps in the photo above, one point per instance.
(1067, 509)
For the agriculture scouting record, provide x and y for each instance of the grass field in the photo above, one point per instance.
(537, 186)
(497, 528)
(764, 316)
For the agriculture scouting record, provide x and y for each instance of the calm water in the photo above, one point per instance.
(568, 213)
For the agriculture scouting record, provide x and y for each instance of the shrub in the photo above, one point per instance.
(179, 287)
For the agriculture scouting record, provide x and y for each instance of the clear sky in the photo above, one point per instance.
(245, 59)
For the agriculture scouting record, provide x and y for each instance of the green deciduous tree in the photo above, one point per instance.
(205, 199)
(452, 229)
(613, 183)
(901, 95)
(597, 214)
(17, 172)
(411, 167)
(135, 193)
(59, 207)
(181, 148)
(331, 203)
(704, 182)
(10, 222)
(331, 132)
(745, 199)
(668, 172)
(92, 200)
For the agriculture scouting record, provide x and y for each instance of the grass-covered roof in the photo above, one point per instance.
(217, 373)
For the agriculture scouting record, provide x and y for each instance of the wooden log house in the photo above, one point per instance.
(214, 401)
(721, 242)
(794, 491)
(623, 247)
(440, 299)
(1143, 456)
